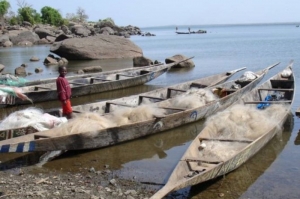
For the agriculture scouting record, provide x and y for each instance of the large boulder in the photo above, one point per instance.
(142, 61)
(25, 36)
(7, 44)
(20, 71)
(43, 33)
(176, 58)
(96, 47)
(80, 31)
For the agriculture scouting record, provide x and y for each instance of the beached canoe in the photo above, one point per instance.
(102, 82)
(234, 135)
(155, 95)
(121, 123)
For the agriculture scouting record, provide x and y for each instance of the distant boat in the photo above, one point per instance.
(297, 26)
(183, 32)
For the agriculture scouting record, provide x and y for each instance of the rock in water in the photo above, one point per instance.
(96, 47)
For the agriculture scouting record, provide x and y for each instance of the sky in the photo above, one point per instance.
(144, 13)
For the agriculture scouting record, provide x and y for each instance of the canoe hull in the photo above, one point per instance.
(116, 135)
(182, 177)
(41, 94)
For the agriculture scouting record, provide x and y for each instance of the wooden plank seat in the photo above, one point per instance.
(78, 83)
(200, 165)
(275, 89)
(169, 91)
(197, 85)
(119, 75)
(282, 83)
(36, 136)
(203, 161)
(143, 72)
(98, 78)
(107, 106)
(150, 97)
(172, 108)
(224, 140)
(36, 88)
(242, 83)
(269, 102)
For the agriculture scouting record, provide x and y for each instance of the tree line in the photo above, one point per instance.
(47, 15)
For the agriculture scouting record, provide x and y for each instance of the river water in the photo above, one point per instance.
(272, 173)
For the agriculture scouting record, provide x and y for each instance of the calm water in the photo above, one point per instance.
(273, 173)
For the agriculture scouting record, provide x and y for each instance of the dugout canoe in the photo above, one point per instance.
(86, 75)
(155, 95)
(102, 82)
(219, 149)
(56, 139)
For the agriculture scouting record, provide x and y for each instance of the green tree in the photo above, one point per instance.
(29, 14)
(4, 5)
(51, 16)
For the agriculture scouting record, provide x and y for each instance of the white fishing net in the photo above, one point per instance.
(31, 117)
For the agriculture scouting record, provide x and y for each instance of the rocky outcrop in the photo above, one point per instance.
(25, 36)
(142, 61)
(176, 58)
(52, 60)
(80, 30)
(92, 69)
(20, 71)
(43, 33)
(96, 47)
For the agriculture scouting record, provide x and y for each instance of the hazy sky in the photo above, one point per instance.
(145, 13)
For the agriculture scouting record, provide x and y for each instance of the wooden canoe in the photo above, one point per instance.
(131, 100)
(53, 139)
(102, 82)
(204, 159)
(86, 75)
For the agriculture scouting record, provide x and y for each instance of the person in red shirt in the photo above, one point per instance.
(64, 92)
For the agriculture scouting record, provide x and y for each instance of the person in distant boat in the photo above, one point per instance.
(189, 29)
(64, 92)
(176, 29)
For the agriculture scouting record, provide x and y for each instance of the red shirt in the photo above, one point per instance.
(63, 88)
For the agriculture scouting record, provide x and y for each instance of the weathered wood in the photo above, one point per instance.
(225, 140)
(279, 83)
(275, 89)
(150, 97)
(172, 108)
(77, 83)
(124, 75)
(187, 159)
(41, 87)
(173, 89)
(49, 91)
(107, 106)
(187, 173)
(194, 84)
(98, 78)
(269, 102)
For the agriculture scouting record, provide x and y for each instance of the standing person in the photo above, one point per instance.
(64, 92)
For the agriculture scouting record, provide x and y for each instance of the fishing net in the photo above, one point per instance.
(240, 122)
(31, 117)
(13, 91)
(11, 80)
